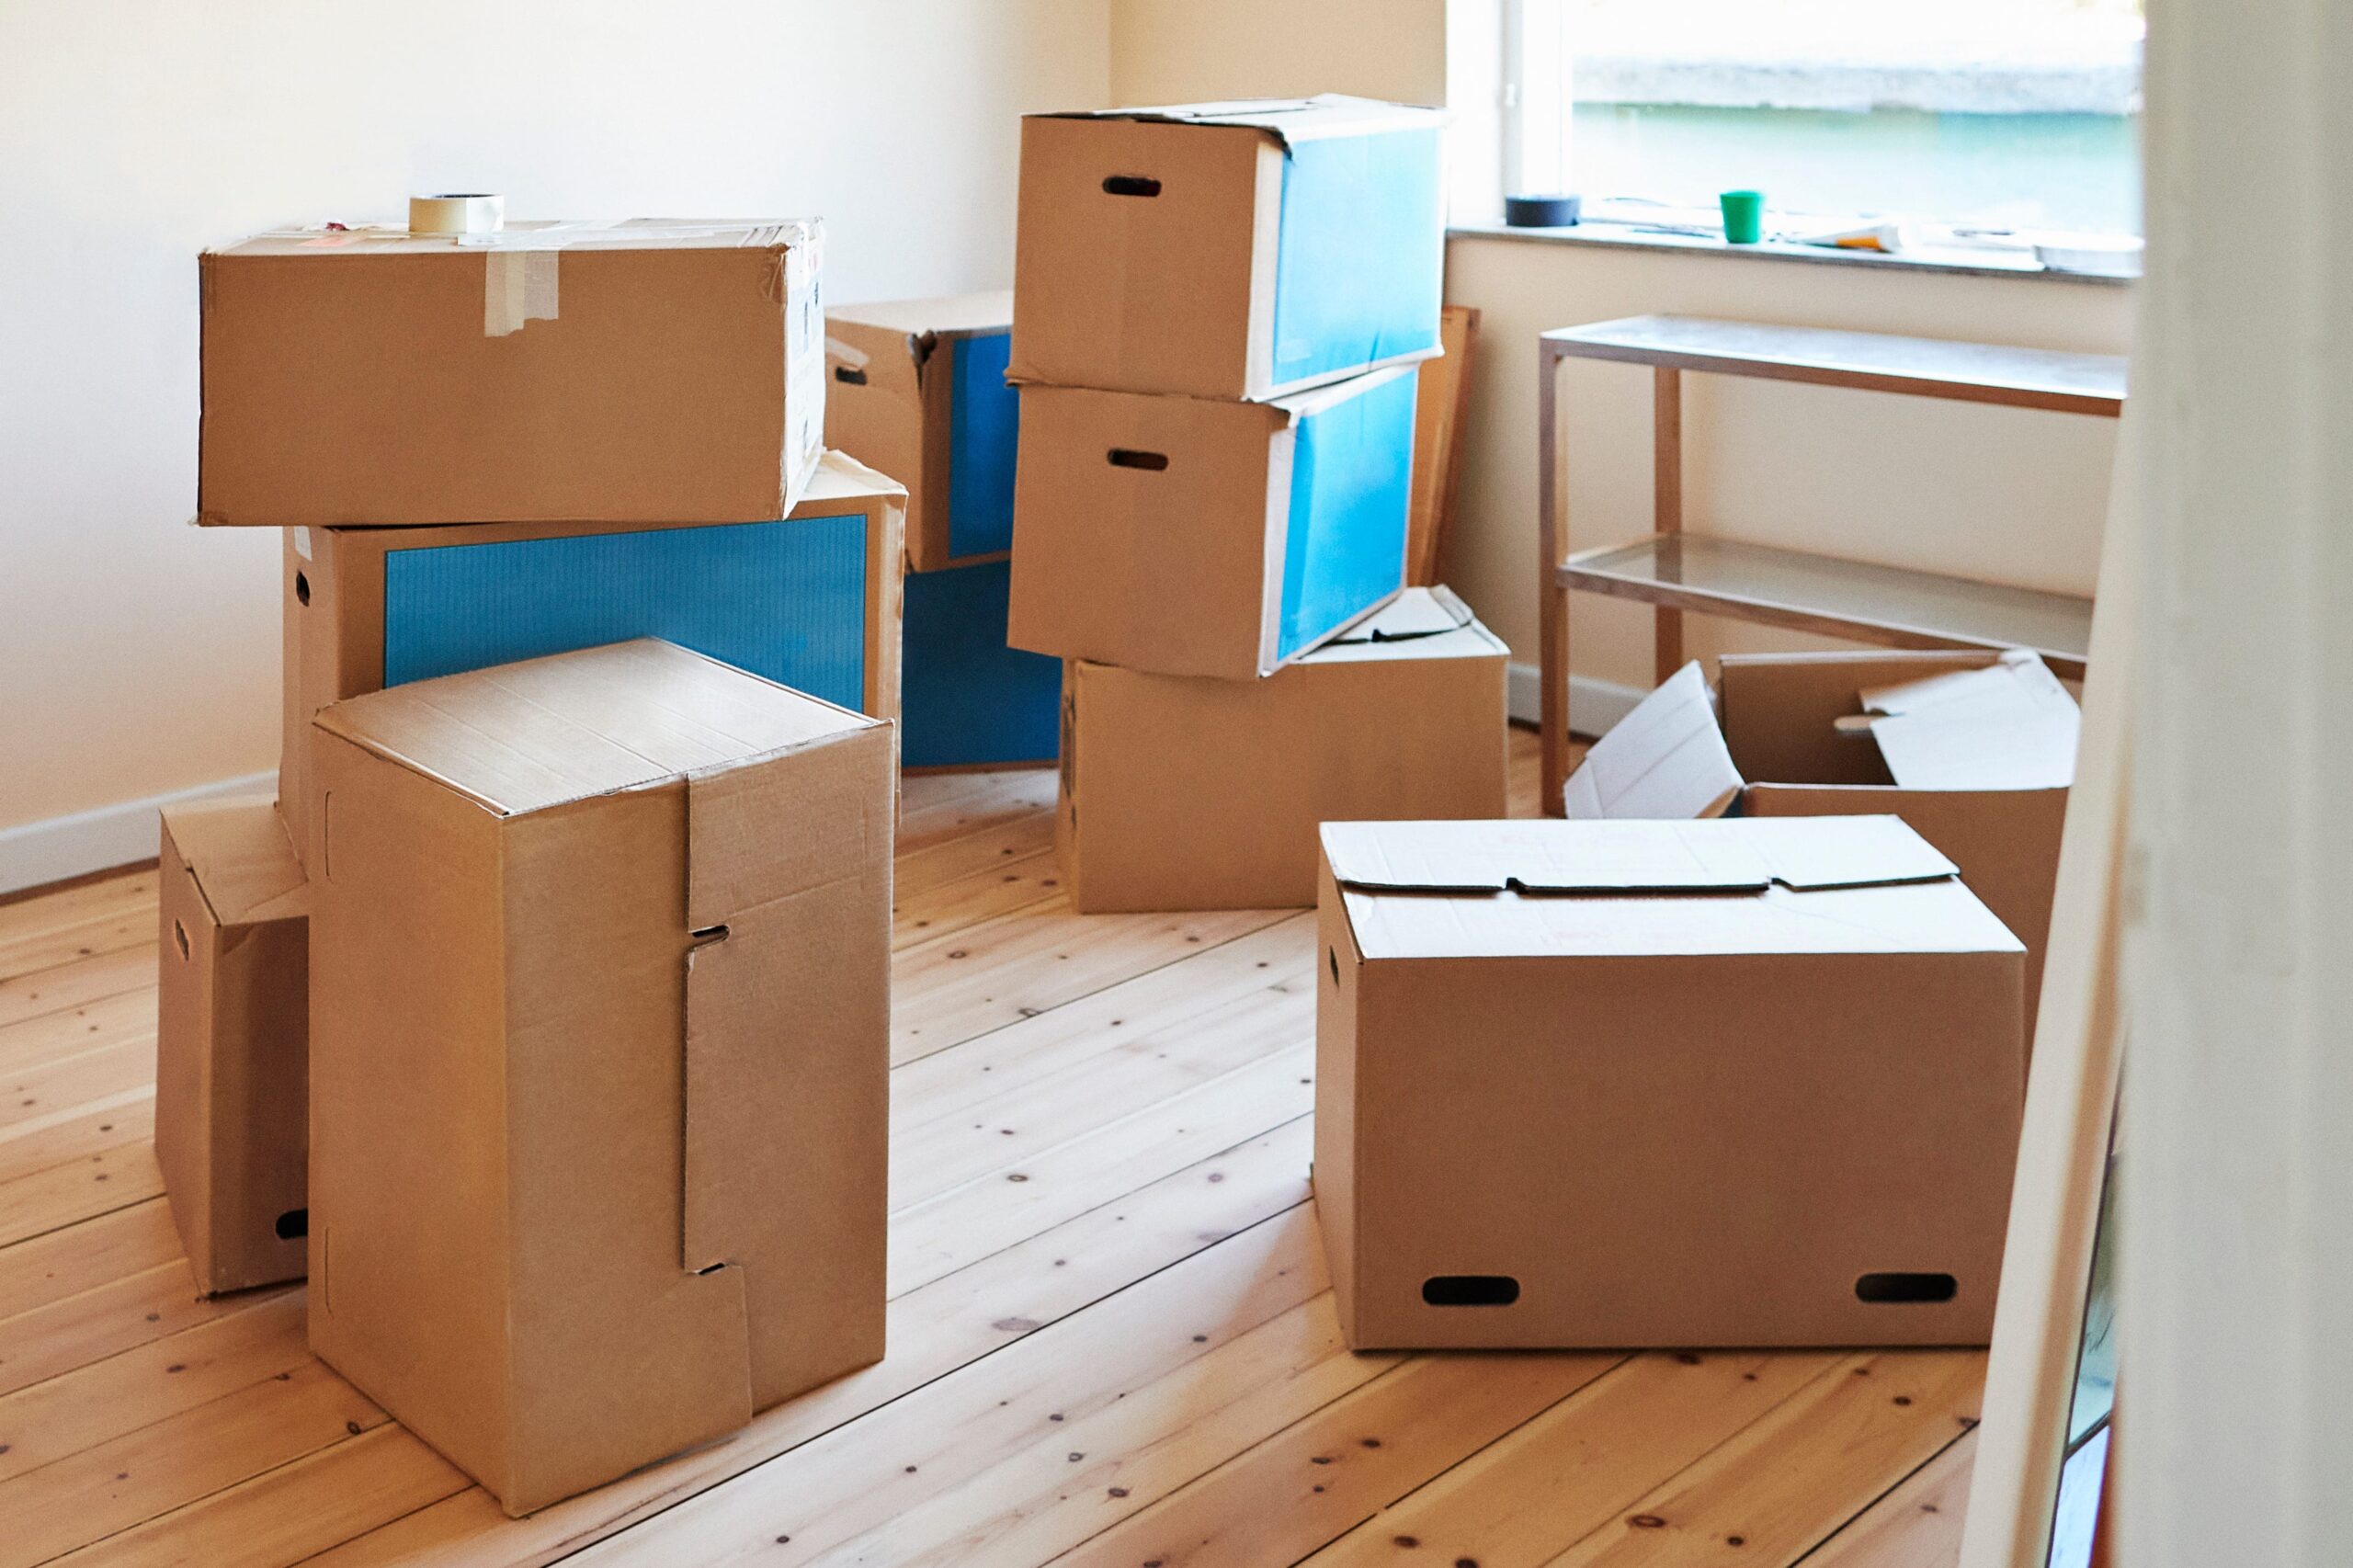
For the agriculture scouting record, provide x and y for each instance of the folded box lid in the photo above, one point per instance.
(1734, 885)
(2006, 725)
(1420, 623)
(1665, 758)
(241, 862)
(1289, 121)
(950, 315)
(627, 233)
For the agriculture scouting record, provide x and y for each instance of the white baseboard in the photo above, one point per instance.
(1594, 705)
(57, 848)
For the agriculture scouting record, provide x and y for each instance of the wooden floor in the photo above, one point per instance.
(1112, 1342)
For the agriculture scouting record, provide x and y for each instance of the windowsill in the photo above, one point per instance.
(1962, 262)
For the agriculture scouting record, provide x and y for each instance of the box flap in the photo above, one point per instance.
(525, 737)
(1420, 623)
(2009, 725)
(1665, 759)
(1630, 856)
(950, 315)
(1289, 121)
(241, 858)
(840, 477)
(641, 234)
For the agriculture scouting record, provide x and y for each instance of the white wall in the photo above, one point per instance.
(138, 656)
(1190, 50)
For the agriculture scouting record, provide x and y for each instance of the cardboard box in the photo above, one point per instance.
(1182, 792)
(1748, 1082)
(1975, 750)
(1234, 250)
(647, 372)
(919, 391)
(966, 699)
(1190, 538)
(811, 602)
(231, 1042)
(599, 1048)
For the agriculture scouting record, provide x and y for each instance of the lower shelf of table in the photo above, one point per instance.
(1887, 605)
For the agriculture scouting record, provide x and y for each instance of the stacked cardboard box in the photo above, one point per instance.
(542, 897)
(919, 391)
(1217, 313)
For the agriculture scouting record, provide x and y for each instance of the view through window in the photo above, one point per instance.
(1982, 115)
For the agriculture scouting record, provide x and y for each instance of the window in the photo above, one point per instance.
(1997, 119)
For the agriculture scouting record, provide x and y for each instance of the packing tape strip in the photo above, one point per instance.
(463, 214)
(518, 285)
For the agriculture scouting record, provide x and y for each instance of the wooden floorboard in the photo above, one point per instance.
(1112, 1341)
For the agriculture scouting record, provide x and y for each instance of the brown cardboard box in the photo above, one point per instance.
(1975, 750)
(1230, 250)
(1585, 1084)
(231, 1051)
(918, 391)
(339, 619)
(648, 371)
(1182, 792)
(601, 1040)
(1192, 538)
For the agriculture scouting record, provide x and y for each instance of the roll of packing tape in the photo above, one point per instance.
(456, 214)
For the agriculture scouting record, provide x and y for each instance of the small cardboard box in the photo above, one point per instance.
(1746, 1082)
(811, 602)
(600, 1036)
(647, 372)
(231, 1042)
(1190, 538)
(1234, 250)
(966, 699)
(919, 391)
(1975, 750)
(1183, 793)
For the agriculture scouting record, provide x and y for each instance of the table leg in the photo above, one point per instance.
(1667, 500)
(1553, 608)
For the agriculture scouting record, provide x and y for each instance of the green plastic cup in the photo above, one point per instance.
(1743, 216)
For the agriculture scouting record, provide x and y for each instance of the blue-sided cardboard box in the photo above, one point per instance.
(810, 601)
(966, 699)
(1187, 536)
(918, 391)
(1234, 250)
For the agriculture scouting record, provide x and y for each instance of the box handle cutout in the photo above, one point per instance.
(1131, 184)
(179, 934)
(1470, 1290)
(301, 589)
(848, 376)
(709, 933)
(292, 1223)
(1128, 457)
(1880, 1287)
(1332, 957)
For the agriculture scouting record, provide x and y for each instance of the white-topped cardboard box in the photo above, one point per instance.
(1975, 750)
(1188, 792)
(1747, 1081)
(600, 1014)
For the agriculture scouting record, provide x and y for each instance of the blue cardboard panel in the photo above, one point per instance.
(1351, 486)
(1358, 263)
(785, 600)
(983, 416)
(964, 697)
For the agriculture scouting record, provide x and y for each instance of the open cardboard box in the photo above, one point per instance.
(601, 1040)
(641, 371)
(919, 391)
(1228, 250)
(1185, 537)
(232, 1041)
(1975, 750)
(1742, 1082)
(1187, 792)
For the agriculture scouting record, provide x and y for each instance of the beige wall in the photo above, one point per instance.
(1188, 51)
(138, 656)
(2005, 494)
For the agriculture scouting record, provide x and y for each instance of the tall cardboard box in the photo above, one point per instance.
(645, 372)
(1192, 538)
(1234, 250)
(1975, 750)
(1745, 1081)
(600, 1038)
(919, 391)
(231, 1042)
(966, 699)
(1182, 792)
(810, 601)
